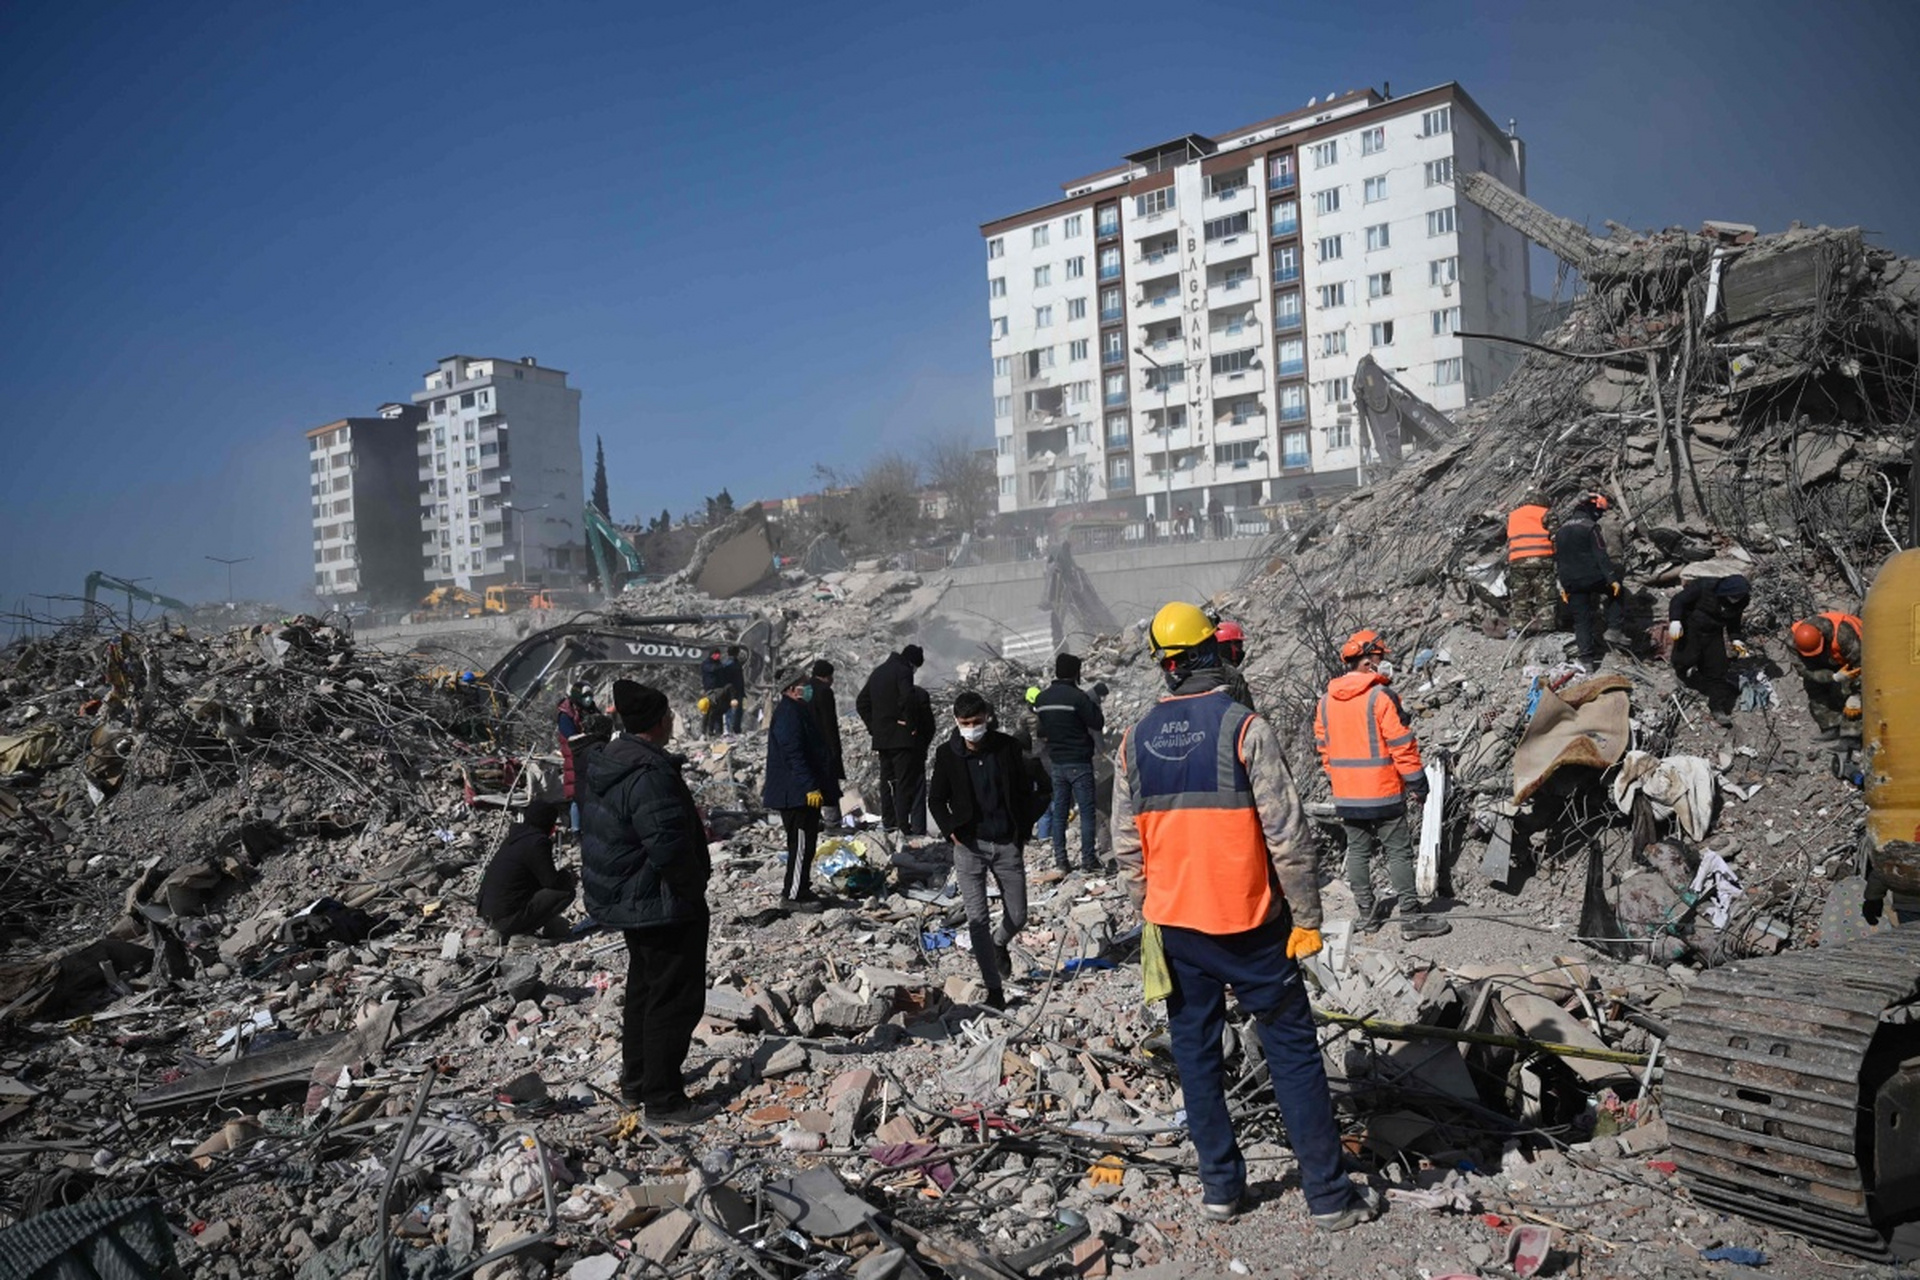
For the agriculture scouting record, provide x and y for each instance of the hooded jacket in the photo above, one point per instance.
(883, 705)
(643, 845)
(1700, 609)
(1367, 747)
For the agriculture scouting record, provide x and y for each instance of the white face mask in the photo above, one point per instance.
(972, 732)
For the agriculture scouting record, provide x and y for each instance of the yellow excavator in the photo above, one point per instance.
(448, 602)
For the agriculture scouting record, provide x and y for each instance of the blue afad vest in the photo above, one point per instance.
(1204, 853)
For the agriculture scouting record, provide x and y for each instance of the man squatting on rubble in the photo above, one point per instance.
(1372, 761)
(1589, 581)
(1071, 722)
(799, 782)
(1703, 620)
(1232, 640)
(984, 799)
(644, 866)
(522, 891)
(1530, 572)
(1826, 648)
(826, 715)
(1212, 846)
(882, 704)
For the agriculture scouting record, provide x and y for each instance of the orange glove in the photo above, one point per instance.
(1302, 943)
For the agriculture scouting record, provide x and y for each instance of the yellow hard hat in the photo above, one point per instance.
(705, 705)
(1176, 628)
(1033, 693)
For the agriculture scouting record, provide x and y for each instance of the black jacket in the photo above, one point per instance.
(950, 792)
(796, 759)
(920, 722)
(1580, 555)
(522, 867)
(883, 704)
(1698, 610)
(733, 676)
(710, 677)
(826, 714)
(1071, 722)
(643, 847)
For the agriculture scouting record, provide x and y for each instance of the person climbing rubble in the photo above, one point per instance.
(1212, 846)
(1232, 638)
(522, 892)
(882, 704)
(1826, 649)
(799, 784)
(644, 867)
(984, 801)
(1530, 568)
(1704, 622)
(1589, 580)
(1372, 760)
(1071, 722)
(826, 714)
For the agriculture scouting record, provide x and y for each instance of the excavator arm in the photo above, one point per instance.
(133, 591)
(603, 537)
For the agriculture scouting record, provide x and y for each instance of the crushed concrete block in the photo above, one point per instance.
(636, 1204)
(601, 1266)
(664, 1237)
(730, 1005)
(785, 1060)
(881, 1264)
(818, 1204)
(845, 1010)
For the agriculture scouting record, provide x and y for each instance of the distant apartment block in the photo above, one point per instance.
(1184, 327)
(501, 488)
(362, 474)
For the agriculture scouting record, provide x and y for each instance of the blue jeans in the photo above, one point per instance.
(1073, 785)
(1268, 986)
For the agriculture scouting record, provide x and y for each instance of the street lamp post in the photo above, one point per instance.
(229, 563)
(520, 530)
(1166, 430)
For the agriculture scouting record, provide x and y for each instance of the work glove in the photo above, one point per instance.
(1852, 710)
(1302, 943)
(1564, 597)
(815, 799)
(1614, 587)
(1740, 650)
(1673, 630)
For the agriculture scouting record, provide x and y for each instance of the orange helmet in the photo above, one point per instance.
(1598, 501)
(1364, 644)
(1808, 640)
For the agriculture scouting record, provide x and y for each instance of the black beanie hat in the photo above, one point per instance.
(823, 668)
(640, 705)
(540, 814)
(915, 655)
(1066, 666)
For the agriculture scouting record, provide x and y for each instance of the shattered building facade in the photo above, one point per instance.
(363, 480)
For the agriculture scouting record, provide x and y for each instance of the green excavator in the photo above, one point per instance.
(603, 537)
(132, 591)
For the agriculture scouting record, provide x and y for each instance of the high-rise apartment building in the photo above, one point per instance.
(366, 530)
(1183, 328)
(501, 489)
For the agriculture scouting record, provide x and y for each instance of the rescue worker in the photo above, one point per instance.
(1372, 759)
(1703, 621)
(826, 714)
(1826, 648)
(1071, 723)
(578, 723)
(1530, 576)
(522, 892)
(713, 694)
(1233, 652)
(883, 705)
(798, 785)
(1213, 849)
(733, 681)
(1589, 581)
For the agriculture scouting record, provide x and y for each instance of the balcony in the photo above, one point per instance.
(1232, 248)
(1112, 315)
(1242, 413)
(1287, 322)
(1120, 442)
(1170, 298)
(1109, 271)
(1107, 228)
(1282, 181)
(1113, 359)
(1293, 413)
(1237, 383)
(1114, 398)
(1287, 226)
(1286, 273)
(1230, 200)
(1238, 289)
(1291, 368)
(1120, 484)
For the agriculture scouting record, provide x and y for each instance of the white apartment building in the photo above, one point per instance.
(1183, 329)
(501, 488)
(361, 481)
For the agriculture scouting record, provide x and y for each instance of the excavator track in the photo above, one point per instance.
(1780, 1073)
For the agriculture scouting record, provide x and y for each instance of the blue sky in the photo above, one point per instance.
(749, 232)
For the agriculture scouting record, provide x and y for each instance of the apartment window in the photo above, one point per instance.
(1074, 225)
(1381, 285)
(1333, 295)
(1076, 268)
(1110, 262)
(1325, 153)
(1382, 333)
(1119, 472)
(1222, 185)
(439, 437)
(1117, 433)
(1235, 361)
(1329, 248)
(1003, 366)
(1340, 435)
(996, 247)
(1446, 321)
(1293, 404)
(1286, 217)
(1224, 228)
(1333, 344)
(1043, 317)
(1039, 360)
(999, 326)
(1076, 308)
(1160, 377)
(486, 399)
(1440, 222)
(1113, 347)
(1279, 172)
(1439, 172)
(1115, 388)
(1328, 201)
(1293, 451)
(1443, 270)
(1376, 237)
(1446, 372)
(1006, 486)
(1239, 451)
(1337, 390)
(1153, 202)
(1106, 220)
(1077, 350)
(1374, 189)
(1003, 406)
(1040, 236)
(1042, 277)
(466, 400)
(1176, 418)
(1437, 121)
(1109, 304)
(997, 287)
(1286, 309)
(1373, 141)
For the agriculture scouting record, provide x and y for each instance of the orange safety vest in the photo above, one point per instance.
(1834, 622)
(1366, 746)
(1527, 536)
(1203, 851)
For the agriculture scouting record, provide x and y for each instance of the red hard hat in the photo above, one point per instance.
(1362, 644)
(1229, 631)
(1598, 501)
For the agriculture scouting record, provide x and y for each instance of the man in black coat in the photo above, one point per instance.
(883, 704)
(1702, 620)
(798, 785)
(522, 891)
(826, 714)
(1589, 580)
(1071, 722)
(984, 799)
(920, 722)
(644, 866)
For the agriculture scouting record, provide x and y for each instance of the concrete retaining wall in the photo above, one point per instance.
(1134, 583)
